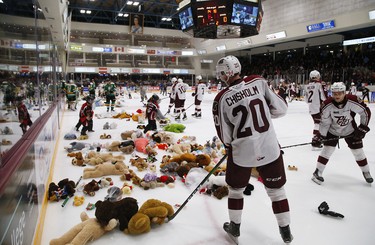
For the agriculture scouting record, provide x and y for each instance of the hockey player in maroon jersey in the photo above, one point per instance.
(338, 120)
(242, 115)
(153, 113)
(314, 97)
(86, 115)
(23, 115)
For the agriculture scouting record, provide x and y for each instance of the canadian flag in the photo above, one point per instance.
(102, 69)
(120, 49)
(24, 69)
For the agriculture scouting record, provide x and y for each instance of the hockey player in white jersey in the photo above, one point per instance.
(198, 94)
(180, 91)
(314, 97)
(172, 95)
(338, 113)
(242, 115)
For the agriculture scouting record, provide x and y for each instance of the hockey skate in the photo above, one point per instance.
(368, 177)
(199, 116)
(178, 118)
(184, 117)
(194, 115)
(317, 177)
(285, 234)
(233, 230)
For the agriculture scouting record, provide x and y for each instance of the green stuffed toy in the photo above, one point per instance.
(174, 127)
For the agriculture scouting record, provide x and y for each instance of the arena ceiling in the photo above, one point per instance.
(106, 11)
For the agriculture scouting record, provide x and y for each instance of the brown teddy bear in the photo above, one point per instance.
(78, 158)
(127, 135)
(121, 210)
(88, 230)
(180, 148)
(104, 169)
(106, 157)
(203, 160)
(140, 163)
(91, 187)
(152, 211)
(114, 146)
(127, 149)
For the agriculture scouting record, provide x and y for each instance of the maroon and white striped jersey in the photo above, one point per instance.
(314, 96)
(180, 90)
(338, 119)
(242, 114)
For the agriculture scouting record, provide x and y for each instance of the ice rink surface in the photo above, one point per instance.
(201, 221)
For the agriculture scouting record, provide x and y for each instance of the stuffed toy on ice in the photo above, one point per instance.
(152, 211)
(175, 127)
(88, 230)
(122, 210)
(107, 168)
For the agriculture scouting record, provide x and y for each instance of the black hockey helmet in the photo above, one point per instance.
(155, 98)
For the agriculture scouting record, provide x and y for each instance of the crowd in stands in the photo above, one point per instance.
(335, 64)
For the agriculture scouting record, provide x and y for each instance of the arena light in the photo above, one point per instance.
(371, 15)
(359, 41)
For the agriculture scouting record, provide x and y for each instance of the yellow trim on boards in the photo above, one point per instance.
(43, 210)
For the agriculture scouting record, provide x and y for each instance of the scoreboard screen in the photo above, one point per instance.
(211, 13)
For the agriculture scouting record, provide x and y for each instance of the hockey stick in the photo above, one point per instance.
(309, 143)
(196, 189)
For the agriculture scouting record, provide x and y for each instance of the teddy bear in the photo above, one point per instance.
(91, 187)
(150, 151)
(114, 194)
(114, 146)
(121, 210)
(167, 179)
(180, 148)
(88, 230)
(104, 169)
(139, 162)
(68, 188)
(75, 146)
(149, 181)
(78, 158)
(162, 137)
(78, 200)
(93, 161)
(152, 211)
(106, 157)
(83, 137)
(129, 149)
(203, 160)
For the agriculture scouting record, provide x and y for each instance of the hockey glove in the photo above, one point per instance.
(324, 209)
(360, 132)
(317, 140)
(193, 94)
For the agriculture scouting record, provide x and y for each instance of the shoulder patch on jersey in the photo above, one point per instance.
(215, 106)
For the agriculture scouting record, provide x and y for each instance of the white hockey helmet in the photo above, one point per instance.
(352, 84)
(228, 66)
(338, 87)
(174, 79)
(199, 77)
(179, 80)
(314, 75)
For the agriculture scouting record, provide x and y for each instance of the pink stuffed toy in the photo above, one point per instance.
(140, 145)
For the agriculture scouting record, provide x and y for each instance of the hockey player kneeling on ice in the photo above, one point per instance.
(338, 120)
(153, 113)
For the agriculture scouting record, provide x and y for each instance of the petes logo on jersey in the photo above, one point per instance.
(342, 120)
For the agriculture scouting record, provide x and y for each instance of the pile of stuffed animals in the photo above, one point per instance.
(134, 161)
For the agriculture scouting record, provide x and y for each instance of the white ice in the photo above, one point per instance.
(201, 221)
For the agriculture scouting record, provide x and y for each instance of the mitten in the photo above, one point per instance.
(360, 132)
